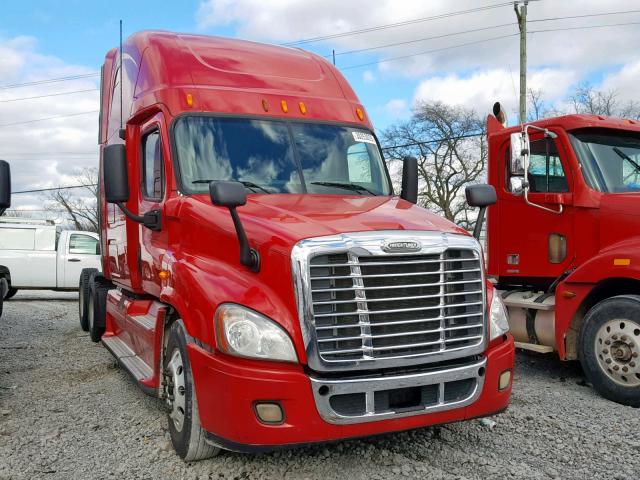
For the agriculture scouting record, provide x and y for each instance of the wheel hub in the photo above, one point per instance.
(175, 389)
(617, 349)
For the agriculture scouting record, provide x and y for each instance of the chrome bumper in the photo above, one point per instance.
(382, 398)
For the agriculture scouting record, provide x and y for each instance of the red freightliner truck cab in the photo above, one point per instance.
(564, 242)
(259, 274)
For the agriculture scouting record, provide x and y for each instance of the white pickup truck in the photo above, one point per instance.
(35, 254)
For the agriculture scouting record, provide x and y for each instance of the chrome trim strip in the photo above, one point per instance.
(369, 386)
(358, 246)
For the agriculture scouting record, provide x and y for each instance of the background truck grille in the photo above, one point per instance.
(396, 306)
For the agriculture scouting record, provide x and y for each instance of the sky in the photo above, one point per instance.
(427, 50)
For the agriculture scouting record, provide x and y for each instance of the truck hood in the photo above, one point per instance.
(293, 217)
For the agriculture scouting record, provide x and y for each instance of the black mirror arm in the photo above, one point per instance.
(249, 257)
(477, 229)
(150, 219)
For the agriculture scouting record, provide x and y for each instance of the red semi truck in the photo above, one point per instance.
(564, 242)
(259, 273)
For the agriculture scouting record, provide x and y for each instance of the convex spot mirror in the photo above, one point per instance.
(519, 148)
(516, 185)
(5, 186)
(116, 178)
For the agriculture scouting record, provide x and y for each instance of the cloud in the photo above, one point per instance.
(396, 107)
(34, 149)
(368, 76)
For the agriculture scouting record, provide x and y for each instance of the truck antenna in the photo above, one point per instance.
(121, 132)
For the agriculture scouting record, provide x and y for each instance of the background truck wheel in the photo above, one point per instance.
(83, 297)
(10, 293)
(187, 435)
(97, 306)
(610, 348)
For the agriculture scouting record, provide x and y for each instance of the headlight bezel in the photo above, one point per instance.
(262, 328)
(498, 317)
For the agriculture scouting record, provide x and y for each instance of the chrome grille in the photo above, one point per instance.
(368, 307)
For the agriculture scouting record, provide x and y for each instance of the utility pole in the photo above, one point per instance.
(521, 13)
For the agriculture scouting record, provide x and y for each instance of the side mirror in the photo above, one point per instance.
(516, 185)
(519, 148)
(115, 173)
(409, 179)
(232, 195)
(5, 186)
(480, 196)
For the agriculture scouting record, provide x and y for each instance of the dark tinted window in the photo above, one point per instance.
(152, 166)
(545, 168)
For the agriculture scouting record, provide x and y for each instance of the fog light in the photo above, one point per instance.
(505, 379)
(269, 412)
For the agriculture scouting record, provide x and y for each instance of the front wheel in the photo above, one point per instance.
(10, 293)
(83, 297)
(97, 306)
(187, 436)
(610, 348)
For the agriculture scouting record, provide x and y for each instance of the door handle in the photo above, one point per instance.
(74, 260)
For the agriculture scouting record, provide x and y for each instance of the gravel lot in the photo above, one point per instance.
(68, 411)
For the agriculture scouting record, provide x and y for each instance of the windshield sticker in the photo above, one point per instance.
(363, 137)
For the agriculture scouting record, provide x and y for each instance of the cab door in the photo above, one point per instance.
(537, 242)
(82, 250)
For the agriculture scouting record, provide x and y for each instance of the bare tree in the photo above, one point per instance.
(537, 108)
(587, 99)
(81, 205)
(449, 143)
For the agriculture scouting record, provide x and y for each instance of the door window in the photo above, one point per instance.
(152, 167)
(83, 245)
(545, 168)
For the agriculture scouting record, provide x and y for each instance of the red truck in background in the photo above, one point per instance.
(564, 242)
(259, 273)
(5, 202)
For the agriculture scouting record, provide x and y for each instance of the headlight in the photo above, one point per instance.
(246, 333)
(498, 319)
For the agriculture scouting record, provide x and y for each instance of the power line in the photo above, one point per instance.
(436, 140)
(49, 80)
(399, 24)
(47, 118)
(584, 27)
(588, 15)
(49, 95)
(38, 190)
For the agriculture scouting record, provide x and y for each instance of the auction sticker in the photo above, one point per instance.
(363, 137)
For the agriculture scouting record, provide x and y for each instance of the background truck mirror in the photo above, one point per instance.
(482, 196)
(5, 186)
(519, 148)
(409, 180)
(116, 178)
(232, 195)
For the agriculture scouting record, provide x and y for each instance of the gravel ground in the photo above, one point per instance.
(67, 411)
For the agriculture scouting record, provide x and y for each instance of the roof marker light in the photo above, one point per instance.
(189, 99)
(360, 113)
(283, 104)
(303, 108)
(265, 105)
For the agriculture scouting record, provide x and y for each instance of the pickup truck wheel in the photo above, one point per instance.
(10, 293)
(83, 297)
(97, 306)
(187, 435)
(610, 348)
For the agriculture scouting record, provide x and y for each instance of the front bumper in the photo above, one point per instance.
(228, 388)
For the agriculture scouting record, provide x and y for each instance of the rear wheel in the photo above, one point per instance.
(83, 297)
(187, 436)
(97, 306)
(10, 293)
(610, 348)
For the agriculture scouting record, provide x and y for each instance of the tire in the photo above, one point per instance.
(187, 435)
(3, 288)
(83, 297)
(97, 306)
(10, 293)
(609, 348)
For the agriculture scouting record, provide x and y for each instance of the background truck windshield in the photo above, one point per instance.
(272, 156)
(610, 161)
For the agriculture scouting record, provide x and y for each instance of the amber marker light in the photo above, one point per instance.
(360, 113)
(283, 104)
(265, 105)
(164, 274)
(303, 108)
(189, 99)
(568, 294)
(621, 262)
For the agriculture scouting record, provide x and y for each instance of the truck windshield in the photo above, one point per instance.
(273, 156)
(610, 161)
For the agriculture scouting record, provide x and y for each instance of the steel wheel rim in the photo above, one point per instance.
(617, 348)
(176, 391)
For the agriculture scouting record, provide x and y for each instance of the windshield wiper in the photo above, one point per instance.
(626, 157)
(347, 186)
(251, 185)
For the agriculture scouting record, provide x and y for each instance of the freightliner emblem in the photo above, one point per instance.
(401, 246)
